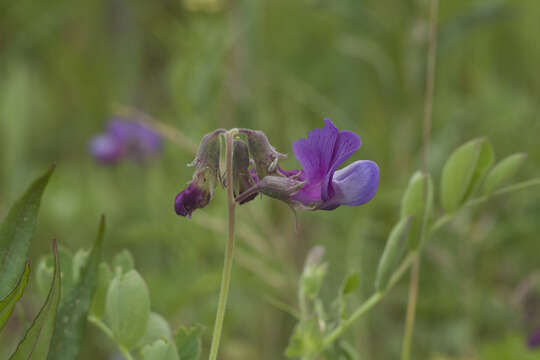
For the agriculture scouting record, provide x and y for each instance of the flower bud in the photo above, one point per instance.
(263, 153)
(208, 154)
(242, 176)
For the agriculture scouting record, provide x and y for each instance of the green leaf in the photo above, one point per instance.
(463, 171)
(160, 350)
(16, 233)
(157, 328)
(306, 340)
(73, 312)
(418, 203)
(45, 270)
(127, 308)
(484, 163)
(392, 254)
(105, 277)
(36, 341)
(350, 284)
(8, 303)
(123, 261)
(188, 342)
(502, 172)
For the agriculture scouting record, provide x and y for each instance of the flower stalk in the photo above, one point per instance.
(229, 250)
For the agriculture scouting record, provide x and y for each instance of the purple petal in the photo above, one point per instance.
(347, 143)
(139, 140)
(106, 149)
(190, 199)
(315, 152)
(354, 185)
(322, 153)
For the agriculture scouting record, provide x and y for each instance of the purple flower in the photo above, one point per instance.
(191, 198)
(326, 187)
(534, 339)
(125, 139)
(205, 177)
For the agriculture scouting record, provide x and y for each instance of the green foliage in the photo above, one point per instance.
(105, 277)
(71, 320)
(127, 308)
(306, 340)
(157, 328)
(502, 172)
(16, 233)
(313, 274)
(160, 350)
(417, 202)
(188, 342)
(37, 339)
(510, 347)
(463, 171)
(393, 252)
(45, 271)
(123, 262)
(8, 303)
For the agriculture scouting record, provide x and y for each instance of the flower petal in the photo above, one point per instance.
(354, 185)
(315, 152)
(347, 143)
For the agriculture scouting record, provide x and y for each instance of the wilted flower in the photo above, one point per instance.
(205, 178)
(125, 139)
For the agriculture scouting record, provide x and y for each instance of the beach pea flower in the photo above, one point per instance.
(125, 139)
(320, 156)
(319, 185)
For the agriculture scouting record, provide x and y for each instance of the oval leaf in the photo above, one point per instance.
(36, 341)
(418, 202)
(159, 350)
(8, 303)
(127, 308)
(392, 254)
(16, 233)
(463, 171)
(157, 328)
(502, 172)
(188, 342)
(72, 314)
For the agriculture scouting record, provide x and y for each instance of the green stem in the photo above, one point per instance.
(107, 331)
(443, 220)
(411, 310)
(229, 251)
(369, 303)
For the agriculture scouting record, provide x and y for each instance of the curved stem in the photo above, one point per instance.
(229, 251)
(369, 303)
(107, 331)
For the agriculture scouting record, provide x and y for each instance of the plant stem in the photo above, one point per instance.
(107, 331)
(369, 303)
(229, 251)
(428, 116)
(411, 310)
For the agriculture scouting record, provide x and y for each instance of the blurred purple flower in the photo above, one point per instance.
(534, 339)
(326, 188)
(125, 139)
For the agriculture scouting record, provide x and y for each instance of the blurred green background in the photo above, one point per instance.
(279, 66)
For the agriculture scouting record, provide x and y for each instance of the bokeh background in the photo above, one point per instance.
(281, 66)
